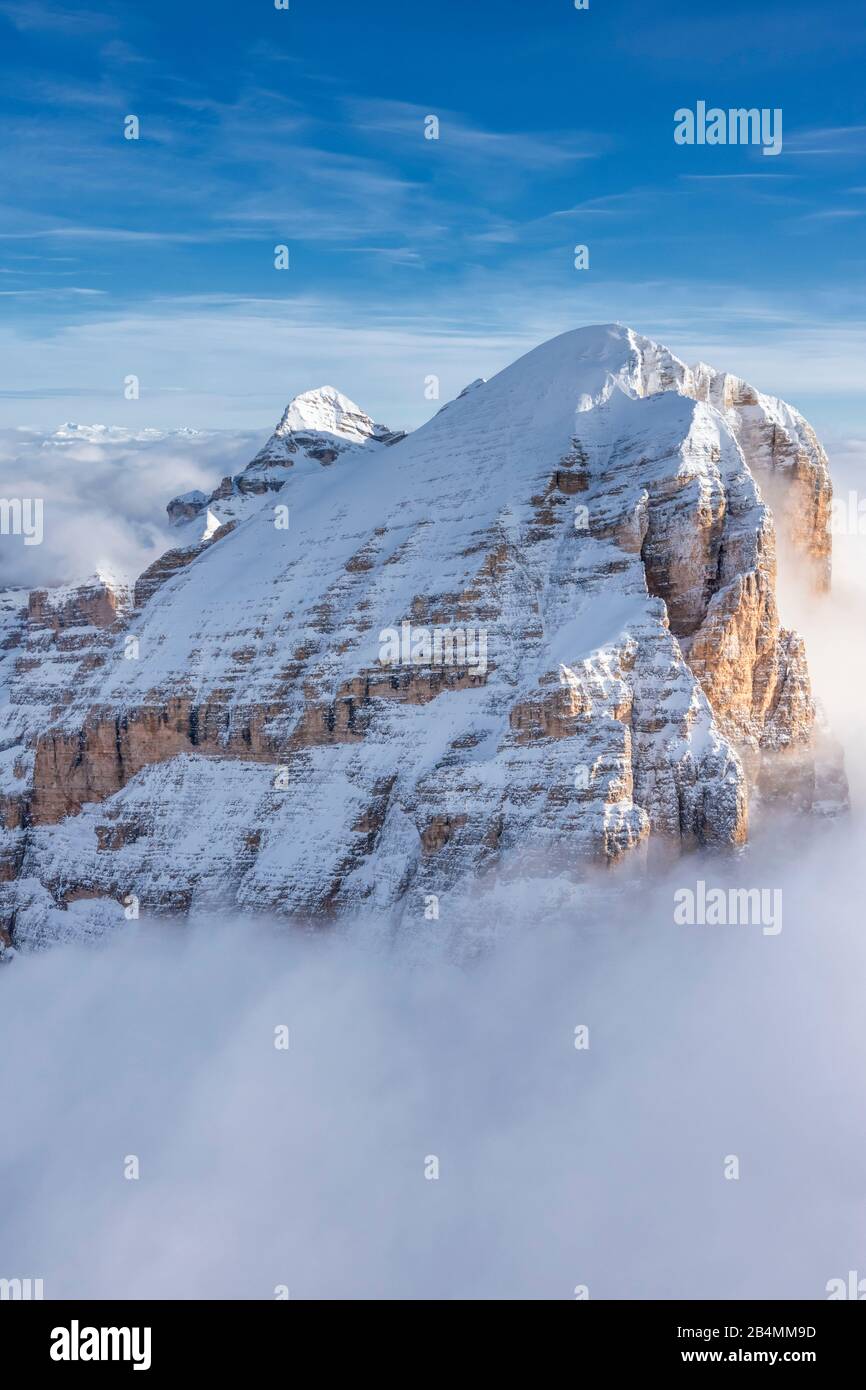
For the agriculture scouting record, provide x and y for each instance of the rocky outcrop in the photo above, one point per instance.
(98, 603)
(539, 633)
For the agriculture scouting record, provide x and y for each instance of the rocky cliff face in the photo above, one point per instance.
(539, 632)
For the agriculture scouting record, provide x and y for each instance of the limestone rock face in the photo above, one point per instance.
(98, 603)
(785, 458)
(540, 632)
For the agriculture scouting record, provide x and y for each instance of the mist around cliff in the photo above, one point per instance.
(606, 1166)
(559, 1165)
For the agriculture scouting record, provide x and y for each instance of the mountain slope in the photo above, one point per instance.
(585, 538)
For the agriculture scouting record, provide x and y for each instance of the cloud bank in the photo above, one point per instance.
(558, 1167)
(104, 498)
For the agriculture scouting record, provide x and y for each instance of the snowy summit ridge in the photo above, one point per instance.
(326, 411)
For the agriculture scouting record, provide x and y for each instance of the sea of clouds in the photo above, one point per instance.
(104, 498)
(558, 1166)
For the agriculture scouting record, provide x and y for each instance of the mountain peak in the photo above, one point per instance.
(317, 426)
(326, 410)
(542, 630)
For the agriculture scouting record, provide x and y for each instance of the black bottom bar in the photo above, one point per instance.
(166, 1338)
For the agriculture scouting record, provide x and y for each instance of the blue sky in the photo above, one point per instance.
(411, 257)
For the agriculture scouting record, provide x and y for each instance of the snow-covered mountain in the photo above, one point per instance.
(540, 631)
(316, 429)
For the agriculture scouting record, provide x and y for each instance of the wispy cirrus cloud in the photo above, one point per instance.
(458, 139)
(826, 141)
(736, 178)
(34, 18)
(48, 292)
(833, 214)
(75, 232)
